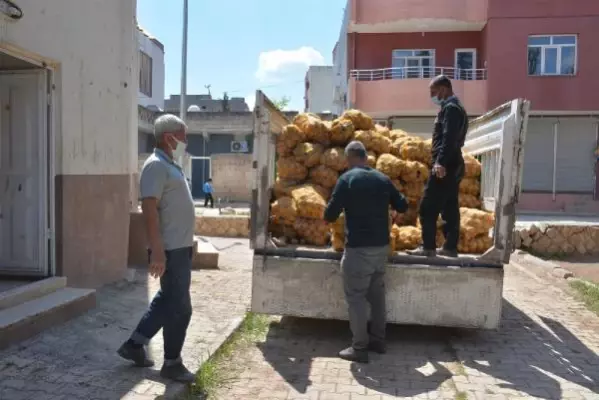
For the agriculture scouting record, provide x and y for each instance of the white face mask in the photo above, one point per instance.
(179, 150)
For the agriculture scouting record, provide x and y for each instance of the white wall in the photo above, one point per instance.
(157, 54)
(320, 90)
(92, 44)
(340, 66)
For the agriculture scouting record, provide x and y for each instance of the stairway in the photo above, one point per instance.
(28, 310)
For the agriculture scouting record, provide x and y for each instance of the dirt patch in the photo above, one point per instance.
(583, 267)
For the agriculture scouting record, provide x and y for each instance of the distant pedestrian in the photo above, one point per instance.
(208, 190)
(169, 215)
(364, 194)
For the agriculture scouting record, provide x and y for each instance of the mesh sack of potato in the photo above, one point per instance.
(470, 186)
(397, 144)
(414, 171)
(390, 165)
(382, 130)
(280, 230)
(342, 130)
(288, 168)
(475, 222)
(283, 187)
(427, 155)
(337, 241)
(338, 226)
(469, 201)
(476, 245)
(308, 153)
(398, 185)
(324, 176)
(472, 166)
(413, 150)
(284, 210)
(413, 191)
(309, 200)
(360, 120)
(312, 231)
(313, 127)
(373, 141)
(408, 218)
(371, 161)
(409, 238)
(396, 134)
(334, 158)
(290, 137)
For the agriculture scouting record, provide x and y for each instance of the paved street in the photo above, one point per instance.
(77, 360)
(547, 348)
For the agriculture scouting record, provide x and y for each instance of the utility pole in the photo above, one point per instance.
(183, 105)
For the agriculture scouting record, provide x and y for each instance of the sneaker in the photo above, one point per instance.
(422, 252)
(136, 354)
(447, 253)
(178, 373)
(377, 347)
(351, 354)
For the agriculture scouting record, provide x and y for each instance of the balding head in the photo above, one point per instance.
(440, 88)
(356, 154)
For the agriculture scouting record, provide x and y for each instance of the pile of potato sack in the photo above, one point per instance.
(310, 159)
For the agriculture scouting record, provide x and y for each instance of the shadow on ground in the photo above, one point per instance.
(522, 355)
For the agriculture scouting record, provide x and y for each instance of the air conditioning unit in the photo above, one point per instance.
(239, 146)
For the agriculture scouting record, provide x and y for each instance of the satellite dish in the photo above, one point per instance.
(193, 108)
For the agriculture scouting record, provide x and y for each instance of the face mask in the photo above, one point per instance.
(436, 100)
(179, 150)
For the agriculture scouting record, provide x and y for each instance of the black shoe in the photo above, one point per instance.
(136, 354)
(178, 373)
(447, 253)
(377, 347)
(351, 354)
(422, 252)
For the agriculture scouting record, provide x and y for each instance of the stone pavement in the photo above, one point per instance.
(77, 360)
(546, 348)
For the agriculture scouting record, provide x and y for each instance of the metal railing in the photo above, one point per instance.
(419, 73)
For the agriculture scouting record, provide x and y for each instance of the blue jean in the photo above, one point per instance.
(171, 307)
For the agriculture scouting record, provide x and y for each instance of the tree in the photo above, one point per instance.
(282, 103)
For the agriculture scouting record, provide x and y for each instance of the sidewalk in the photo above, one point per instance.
(78, 361)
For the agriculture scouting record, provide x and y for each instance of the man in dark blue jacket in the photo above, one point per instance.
(442, 188)
(364, 194)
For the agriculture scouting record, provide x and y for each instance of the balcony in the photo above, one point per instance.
(388, 16)
(405, 91)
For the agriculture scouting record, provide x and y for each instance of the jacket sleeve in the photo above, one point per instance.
(397, 200)
(337, 202)
(453, 120)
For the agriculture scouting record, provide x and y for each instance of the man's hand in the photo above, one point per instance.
(395, 216)
(157, 265)
(439, 171)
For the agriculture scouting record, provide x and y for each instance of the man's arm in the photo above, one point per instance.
(453, 120)
(397, 201)
(337, 202)
(152, 182)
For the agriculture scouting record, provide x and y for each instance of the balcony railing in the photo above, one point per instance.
(419, 73)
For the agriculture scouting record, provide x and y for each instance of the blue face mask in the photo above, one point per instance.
(436, 100)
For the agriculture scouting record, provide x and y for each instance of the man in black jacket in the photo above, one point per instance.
(364, 194)
(442, 188)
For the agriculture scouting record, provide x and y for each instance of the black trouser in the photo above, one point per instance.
(210, 199)
(441, 197)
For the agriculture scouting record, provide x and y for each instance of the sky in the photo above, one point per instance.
(238, 46)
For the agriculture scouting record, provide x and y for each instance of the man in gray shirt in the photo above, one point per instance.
(169, 215)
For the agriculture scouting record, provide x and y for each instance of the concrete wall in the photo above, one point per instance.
(320, 89)
(340, 66)
(232, 176)
(92, 47)
(155, 50)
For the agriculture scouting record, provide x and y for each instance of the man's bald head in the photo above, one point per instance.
(440, 87)
(356, 154)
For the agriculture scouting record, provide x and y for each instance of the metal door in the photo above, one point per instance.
(23, 174)
(200, 172)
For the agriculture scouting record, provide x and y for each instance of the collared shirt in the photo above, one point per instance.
(207, 188)
(449, 133)
(162, 179)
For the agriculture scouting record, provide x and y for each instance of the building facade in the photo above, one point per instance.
(68, 85)
(151, 71)
(494, 51)
(319, 89)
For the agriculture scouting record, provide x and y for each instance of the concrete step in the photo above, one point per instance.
(27, 319)
(31, 291)
(205, 255)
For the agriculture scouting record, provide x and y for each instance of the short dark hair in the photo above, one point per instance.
(209, 180)
(442, 81)
(356, 149)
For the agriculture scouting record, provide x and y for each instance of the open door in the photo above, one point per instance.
(24, 183)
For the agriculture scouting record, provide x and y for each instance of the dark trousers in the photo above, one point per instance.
(210, 199)
(170, 309)
(441, 197)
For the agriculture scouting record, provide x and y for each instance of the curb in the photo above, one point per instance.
(540, 267)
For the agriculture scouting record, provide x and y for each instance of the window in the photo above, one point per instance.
(552, 55)
(145, 74)
(413, 64)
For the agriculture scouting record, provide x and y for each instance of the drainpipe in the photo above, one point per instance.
(595, 194)
(555, 133)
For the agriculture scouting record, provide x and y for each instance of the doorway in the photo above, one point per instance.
(465, 64)
(25, 170)
(200, 172)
